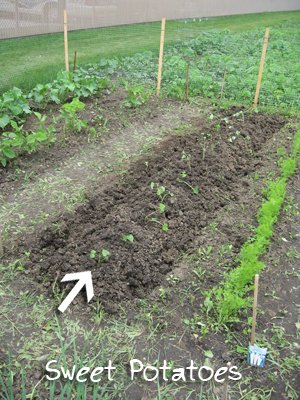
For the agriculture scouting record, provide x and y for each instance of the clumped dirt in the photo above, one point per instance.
(133, 270)
(220, 157)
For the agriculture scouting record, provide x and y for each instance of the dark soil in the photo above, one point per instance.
(220, 159)
(133, 270)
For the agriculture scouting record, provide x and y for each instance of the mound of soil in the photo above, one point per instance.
(217, 160)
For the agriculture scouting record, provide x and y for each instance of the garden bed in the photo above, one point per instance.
(156, 235)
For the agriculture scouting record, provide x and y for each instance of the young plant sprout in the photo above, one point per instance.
(160, 191)
(183, 175)
(127, 237)
(104, 254)
(186, 157)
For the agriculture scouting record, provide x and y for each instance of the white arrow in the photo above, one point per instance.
(84, 278)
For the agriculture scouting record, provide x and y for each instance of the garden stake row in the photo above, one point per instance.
(161, 51)
(256, 355)
(261, 67)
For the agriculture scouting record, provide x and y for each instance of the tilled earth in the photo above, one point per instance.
(223, 158)
(216, 166)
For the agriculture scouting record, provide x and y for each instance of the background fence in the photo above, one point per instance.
(32, 17)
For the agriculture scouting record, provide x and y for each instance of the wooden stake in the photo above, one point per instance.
(187, 82)
(74, 63)
(261, 67)
(161, 51)
(254, 310)
(225, 390)
(1, 248)
(223, 85)
(66, 40)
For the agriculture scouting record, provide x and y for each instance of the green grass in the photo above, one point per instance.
(37, 59)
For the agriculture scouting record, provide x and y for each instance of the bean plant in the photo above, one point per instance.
(72, 120)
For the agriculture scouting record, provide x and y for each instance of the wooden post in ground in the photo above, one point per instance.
(261, 67)
(161, 52)
(254, 309)
(225, 389)
(66, 40)
(223, 85)
(74, 63)
(187, 82)
(1, 248)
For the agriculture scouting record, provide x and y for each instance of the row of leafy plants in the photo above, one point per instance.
(208, 55)
(227, 299)
(15, 104)
(12, 143)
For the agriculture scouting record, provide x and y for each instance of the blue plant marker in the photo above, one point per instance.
(256, 356)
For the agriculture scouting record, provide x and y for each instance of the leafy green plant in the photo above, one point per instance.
(199, 273)
(13, 105)
(203, 145)
(136, 95)
(187, 158)
(10, 141)
(164, 226)
(205, 254)
(128, 237)
(72, 120)
(101, 257)
(160, 191)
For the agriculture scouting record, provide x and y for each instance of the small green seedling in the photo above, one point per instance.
(164, 226)
(127, 237)
(104, 254)
(203, 145)
(162, 293)
(183, 175)
(160, 191)
(186, 157)
(204, 254)
(238, 114)
(199, 273)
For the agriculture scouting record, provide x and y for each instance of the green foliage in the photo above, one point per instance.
(10, 142)
(65, 84)
(101, 257)
(183, 175)
(128, 237)
(136, 95)
(288, 167)
(12, 104)
(68, 113)
(296, 145)
(229, 297)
